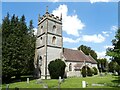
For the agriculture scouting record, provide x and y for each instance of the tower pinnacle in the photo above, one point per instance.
(61, 16)
(39, 17)
(46, 9)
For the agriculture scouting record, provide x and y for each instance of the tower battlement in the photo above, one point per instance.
(49, 16)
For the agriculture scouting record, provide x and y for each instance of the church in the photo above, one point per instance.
(49, 46)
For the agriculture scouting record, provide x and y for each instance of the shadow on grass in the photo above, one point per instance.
(22, 78)
(116, 81)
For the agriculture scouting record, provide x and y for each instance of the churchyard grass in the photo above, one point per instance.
(109, 81)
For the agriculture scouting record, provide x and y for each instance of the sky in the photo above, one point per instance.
(84, 23)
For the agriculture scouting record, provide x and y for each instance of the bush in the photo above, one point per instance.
(95, 71)
(84, 72)
(89, 71)
(56, 68)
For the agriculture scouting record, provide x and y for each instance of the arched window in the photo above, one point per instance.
(40, 60)
(54, 28)
(54, 40)
(41, 29)
(40, 40)
(70, 67)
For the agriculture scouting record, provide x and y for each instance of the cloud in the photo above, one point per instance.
(106, 33)
(114, 28)
(74, 48)
(94, 1)
(93, 38)
(71, 23)
(53, 0)
(70, 40)
(101, 54)
(108, 46)
(86, 38)
(35, 31)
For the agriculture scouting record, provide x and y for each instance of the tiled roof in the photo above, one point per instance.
(76, 55)
(92, 59)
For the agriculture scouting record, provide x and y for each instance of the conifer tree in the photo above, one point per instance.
(18, 47)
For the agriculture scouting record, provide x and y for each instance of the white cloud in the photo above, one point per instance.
(108, 46)
(70, 40)
(101, 54)
(106, 33)
(93, 38)
(35, 31)
(53, 0)
(74, 48)
(93, 1)
(86, 38)
(71, 24)
(114, 28)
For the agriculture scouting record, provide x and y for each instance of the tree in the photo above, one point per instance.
(102, 64)
(113, 66)
(87, 50)
(7, 70)
(18, 47)
(56, 68)
(114, 53)
(0, 52)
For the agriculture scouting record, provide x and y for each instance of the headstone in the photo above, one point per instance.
(60, 79)
(98, 85)
(116, 73)
(27, 80)
(83, 84)
(7, 87)
(45, 86)
(39, 81)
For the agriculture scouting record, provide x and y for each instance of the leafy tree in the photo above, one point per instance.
(87, 50)
(102, 64)
(56, 68)
(113, 66)
(18, 47)
(114, 53)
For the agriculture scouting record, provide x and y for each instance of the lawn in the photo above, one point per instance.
(109, 81)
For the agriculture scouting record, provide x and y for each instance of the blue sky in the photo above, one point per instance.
(90, 24)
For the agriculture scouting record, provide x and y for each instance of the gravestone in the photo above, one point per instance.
(45, 85)
(39, 81)
(7, 87)
(60, 80)
(27, 80)
(83, 84)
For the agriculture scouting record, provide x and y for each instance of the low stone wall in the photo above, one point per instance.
(74, 74)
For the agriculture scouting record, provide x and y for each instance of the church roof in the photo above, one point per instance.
(77, 56)
(92, 59)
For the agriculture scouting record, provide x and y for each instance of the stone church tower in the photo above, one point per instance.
(49, 44)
